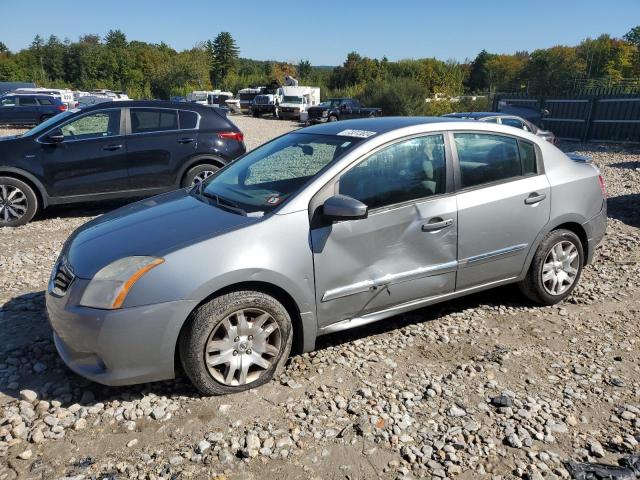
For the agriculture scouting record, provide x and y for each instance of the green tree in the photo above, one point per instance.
(479, 75)
(304, 69)
(224, 55)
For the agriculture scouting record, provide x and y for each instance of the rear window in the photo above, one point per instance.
(45, 101)
(188, 120)
(146, 120)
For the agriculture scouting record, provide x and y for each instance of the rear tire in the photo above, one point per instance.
(18, 202)
(333, 118)
(235, 342)
(555, 269)
(198, 173)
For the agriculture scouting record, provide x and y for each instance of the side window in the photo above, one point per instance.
(144, 120)
(188, 120)
(45, 101)
(96, 125)
(491, 120)
(8, 101)
(528, 158)
(404, 171)
(486, 158)
(513, 122)
(27, 101)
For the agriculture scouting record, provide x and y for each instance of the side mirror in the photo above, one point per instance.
(343, 207)
(55, 136)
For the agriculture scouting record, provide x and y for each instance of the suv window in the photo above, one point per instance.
(45, 101)
(8, 101)
(486, 158)
(25, 101)
(405, 171)
(96, 125)
(188, 120)
(145, 120)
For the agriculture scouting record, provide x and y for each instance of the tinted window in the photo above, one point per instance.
(486, 158)
(188, 120)
(28, 101)
(513, 122)
(491, 120)
(153, 120)
(528, 158)
(8, 101)
(405, 171)
(45, 101)
(97, 125)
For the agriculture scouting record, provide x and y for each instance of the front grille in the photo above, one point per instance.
(261, 100)
(62, 278)
(315, 113)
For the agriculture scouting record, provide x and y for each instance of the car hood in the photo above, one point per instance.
(154, 227)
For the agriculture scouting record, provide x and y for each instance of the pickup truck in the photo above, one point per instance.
(335, 109)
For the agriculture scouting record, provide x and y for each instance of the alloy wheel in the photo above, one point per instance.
(243, 347)
(560, 268)
(202, 176)
(13, 203)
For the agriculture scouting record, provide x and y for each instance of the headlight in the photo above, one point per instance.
(325, 113)
(110, 286)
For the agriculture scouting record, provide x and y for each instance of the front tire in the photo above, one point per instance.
(198, 174)
(333, 118)
(235, 342)
(18, 202)
(555, 269)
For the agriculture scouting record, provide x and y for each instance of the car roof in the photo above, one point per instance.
(150, 104)
(377, 125)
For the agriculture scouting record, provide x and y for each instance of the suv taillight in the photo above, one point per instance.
(62, 108)
(603, 187)
(237, 136)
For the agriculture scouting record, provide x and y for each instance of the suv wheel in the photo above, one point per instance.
(18, 202)
(235, 342)
(44, 118)
(333, 118)
(198, 174)
(555, 269)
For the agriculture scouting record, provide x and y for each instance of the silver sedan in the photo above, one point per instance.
(321, 230)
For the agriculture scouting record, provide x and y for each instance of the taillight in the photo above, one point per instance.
(62, 108)
(237, 136)
(603, 187)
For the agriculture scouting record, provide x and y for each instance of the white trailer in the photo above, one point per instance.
(296, 100)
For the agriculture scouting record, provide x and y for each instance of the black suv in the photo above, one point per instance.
(112, 150)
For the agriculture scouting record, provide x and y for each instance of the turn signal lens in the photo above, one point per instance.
(237, 136)
(603, 187)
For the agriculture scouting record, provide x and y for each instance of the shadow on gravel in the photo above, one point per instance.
(625, 208)
(633, 165)
(35, 365)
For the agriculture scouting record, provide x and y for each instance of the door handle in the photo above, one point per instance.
(534, 198)
(186, 140)
(439, 224)
(112, 148)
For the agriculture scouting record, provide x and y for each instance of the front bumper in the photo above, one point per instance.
(318, 119)
(596, 229)
(116, 347)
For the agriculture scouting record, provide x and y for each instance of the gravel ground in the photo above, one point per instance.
(484, 386)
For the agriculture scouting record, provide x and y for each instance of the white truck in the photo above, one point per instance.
(246, 96)
(296, 100)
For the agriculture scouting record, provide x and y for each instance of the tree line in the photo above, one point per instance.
(147, 70)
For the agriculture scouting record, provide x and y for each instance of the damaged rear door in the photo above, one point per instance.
(406, 249)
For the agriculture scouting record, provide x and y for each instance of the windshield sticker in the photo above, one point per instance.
(274, 199)
(356, 133)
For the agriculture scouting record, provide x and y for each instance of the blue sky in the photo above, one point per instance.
(325, 31)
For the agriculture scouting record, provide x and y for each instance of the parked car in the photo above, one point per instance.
(323, 229)
(28, 109)
(335, 109)
(112, 150)
(63, 94)
(511, 120)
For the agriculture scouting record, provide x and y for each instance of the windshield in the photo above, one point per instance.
(292, 99)
(267, 176)
(47, 123)
(332, 102)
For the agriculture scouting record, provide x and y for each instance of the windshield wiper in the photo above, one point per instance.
(224, 202)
